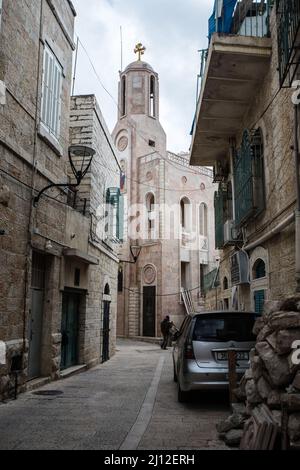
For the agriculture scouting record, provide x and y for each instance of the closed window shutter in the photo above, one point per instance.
(121, 218)
(259, 300)
(51, 94)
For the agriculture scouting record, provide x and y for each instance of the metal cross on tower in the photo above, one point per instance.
(140, 50)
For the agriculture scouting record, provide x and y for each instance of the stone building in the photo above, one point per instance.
(168, 223)
(57, 281)
(245, 129)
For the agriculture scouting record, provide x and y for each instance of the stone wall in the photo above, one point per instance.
(272, 383)
(273, 113)
(29, 161)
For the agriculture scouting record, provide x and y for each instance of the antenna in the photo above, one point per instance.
(121, 36)
(75, 66)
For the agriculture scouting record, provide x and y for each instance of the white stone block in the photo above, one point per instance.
(2, 93)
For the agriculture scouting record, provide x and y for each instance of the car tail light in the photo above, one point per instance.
(189, 351)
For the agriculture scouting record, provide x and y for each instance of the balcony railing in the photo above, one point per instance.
(288, 24)
(241, 17)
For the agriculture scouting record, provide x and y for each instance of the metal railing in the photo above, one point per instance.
(241, 17)
(288, 27)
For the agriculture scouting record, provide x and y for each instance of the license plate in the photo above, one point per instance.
(240, 356)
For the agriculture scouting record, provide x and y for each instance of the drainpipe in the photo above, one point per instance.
(297, 214)
(271, 233)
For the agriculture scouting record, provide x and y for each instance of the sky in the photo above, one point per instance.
(171, 30)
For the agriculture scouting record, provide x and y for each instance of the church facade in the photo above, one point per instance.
(168, 232)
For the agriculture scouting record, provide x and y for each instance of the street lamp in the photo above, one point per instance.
(80, 158)
(135, 251)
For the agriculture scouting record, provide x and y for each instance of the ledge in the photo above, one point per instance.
(51, 141)
(80, 256)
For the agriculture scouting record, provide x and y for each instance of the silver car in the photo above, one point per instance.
(200, 353)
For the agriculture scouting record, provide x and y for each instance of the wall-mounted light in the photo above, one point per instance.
(80, 158)
(135, 251)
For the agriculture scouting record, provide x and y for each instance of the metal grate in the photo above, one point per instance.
(288, 28)
(48, 393)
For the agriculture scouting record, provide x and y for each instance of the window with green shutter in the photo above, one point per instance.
(259, 301)
(249, 177)
(114, 213)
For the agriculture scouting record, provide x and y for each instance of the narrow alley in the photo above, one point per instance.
(129, 403)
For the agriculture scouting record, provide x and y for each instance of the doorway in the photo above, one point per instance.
(35, 328)
(106, 324)
(149, 311)
(70, 330)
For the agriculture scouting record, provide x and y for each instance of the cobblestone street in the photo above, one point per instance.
(128, 403)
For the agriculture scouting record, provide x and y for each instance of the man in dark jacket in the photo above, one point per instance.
(166, 326)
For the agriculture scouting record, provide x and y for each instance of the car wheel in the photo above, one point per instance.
(182, 396)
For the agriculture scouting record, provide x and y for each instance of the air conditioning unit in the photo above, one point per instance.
(230, 233)
(240, 268)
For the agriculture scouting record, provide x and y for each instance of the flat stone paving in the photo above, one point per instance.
(130, 399)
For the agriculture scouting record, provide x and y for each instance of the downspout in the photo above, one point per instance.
(271, 233)
(32, 212)
(297, 213)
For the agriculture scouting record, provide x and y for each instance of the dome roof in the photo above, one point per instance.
(139, 65)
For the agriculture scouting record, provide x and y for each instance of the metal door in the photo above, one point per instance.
(35, 333)
(69, 330)
(149, 311)
(35, 326)
(105, 331)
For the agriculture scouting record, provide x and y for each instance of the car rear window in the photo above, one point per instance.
(225, 328)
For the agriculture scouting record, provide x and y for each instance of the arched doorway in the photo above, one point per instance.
(106, 323)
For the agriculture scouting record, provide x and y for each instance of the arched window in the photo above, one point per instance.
(123, 175)
(123, 96)
(120, 280)
(152, 97)
(107, 290)
(150, 204)
(259, 269)
(203, 220)
(225, 283)
(185, 213)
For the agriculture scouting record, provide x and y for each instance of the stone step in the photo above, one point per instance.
(37, 383)
(64, 374)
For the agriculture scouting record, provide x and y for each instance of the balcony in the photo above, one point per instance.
(288, 25)
(237, 62)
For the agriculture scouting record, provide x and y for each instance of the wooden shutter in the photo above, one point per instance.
(51, 94)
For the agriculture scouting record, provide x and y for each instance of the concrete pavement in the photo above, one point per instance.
(128, 403)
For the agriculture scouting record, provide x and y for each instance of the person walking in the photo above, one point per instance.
(166, 326)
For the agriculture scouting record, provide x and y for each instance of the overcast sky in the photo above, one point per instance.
(171, 30)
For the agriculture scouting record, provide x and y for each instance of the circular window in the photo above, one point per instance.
(149, 176)
(122, 144)
(202, 187)
(149, 274)
(184, 180)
